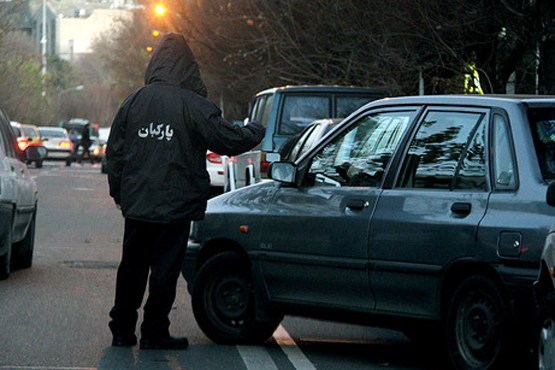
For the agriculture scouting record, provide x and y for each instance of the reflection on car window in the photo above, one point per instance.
(543, 132)
(360, 155)
(299, 111)
(447, 145)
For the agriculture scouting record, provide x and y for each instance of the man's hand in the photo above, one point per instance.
(118, 206)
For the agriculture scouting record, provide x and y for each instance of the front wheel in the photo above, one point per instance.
(223, 302)
(478, 325)
(23, 253)
(546, 333)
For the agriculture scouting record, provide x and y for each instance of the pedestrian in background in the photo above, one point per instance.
(84, 142)
(156, 158)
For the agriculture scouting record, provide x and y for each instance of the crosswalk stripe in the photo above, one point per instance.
(290, 348)
(256, 358)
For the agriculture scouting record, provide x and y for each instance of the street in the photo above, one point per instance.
(55, 314)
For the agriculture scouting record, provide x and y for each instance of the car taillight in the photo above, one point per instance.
(214, 158)
(22, 144)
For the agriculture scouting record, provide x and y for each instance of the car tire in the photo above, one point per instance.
(5, 260)
(478, 325)
(546, 333)
(23, 251)
(38, 164)
(223, 302)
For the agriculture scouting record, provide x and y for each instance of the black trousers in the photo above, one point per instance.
(158, 249)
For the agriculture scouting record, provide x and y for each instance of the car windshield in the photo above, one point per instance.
(29, 132)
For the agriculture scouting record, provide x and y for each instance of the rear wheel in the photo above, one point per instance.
(223, 302)
(478, 325)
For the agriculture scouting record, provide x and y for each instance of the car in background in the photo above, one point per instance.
(284, 112)
(215, 168)
(56, 140)
(18, 200)
(27, 135)
(424, 214)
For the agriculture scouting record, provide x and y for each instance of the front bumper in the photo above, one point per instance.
(189, 268)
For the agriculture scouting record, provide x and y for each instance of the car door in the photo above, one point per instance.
(430, 216)
(314, 245)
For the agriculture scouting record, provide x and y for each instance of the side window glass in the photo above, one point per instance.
(471, 174)
(503, 160)
(299, 111)
(265, 109)
(359, 156)
(299, 144)
(432, 160)
(542, 121)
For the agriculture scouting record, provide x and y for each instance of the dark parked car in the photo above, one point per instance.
(423, 214)
(545, 294)
(18, 200)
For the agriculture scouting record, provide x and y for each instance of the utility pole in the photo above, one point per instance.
(43, 42)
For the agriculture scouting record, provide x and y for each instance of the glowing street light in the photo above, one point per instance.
(159, 10)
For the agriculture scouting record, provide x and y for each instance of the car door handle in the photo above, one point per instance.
(461, 208)
(357, 205)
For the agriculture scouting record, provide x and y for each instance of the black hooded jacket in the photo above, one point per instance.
(157, 147)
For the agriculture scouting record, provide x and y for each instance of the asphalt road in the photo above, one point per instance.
(54, 315)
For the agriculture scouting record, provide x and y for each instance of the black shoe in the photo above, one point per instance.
(164, 343)
(124, 340)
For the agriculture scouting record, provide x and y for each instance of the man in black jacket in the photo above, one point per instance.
(156, 160)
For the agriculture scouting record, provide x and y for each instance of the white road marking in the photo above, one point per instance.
(256, 358)
(289, 347)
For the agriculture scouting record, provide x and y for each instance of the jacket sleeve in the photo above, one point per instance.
(115, 150)
(221, 136)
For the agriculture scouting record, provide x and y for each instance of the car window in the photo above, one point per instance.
(30, 132)
(7, 137)
(444, 145)
(261, 109)
(542, 123)
(348, 104)
(52, 133)
(300, 143)
(503, 160)
(299, 111)
(359, 156)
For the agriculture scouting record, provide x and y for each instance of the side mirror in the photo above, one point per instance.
(34, 153)
(550, 196)
(283, 172)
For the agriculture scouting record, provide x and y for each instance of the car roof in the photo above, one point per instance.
(480, 100)
(324, 89)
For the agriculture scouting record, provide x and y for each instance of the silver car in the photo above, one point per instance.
(18, 200)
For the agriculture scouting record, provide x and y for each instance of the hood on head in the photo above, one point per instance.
(173, 62)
